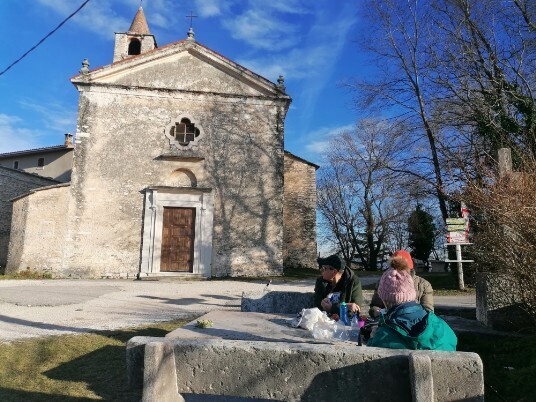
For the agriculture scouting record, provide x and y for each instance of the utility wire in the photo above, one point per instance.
(49, 34)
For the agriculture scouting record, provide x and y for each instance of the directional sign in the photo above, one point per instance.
(457, 237)
(456, 228)
(456, 221)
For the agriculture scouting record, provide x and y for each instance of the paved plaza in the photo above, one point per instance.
(32, 308)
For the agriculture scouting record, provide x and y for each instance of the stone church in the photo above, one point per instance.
(179, 169)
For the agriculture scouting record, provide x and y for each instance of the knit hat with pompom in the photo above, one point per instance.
(396, 287)
(399, 263)
(406, 256)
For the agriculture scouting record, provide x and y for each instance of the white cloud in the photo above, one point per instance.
(13, 137)
(45, 127)
(317, 147)
(314, 58)
(314, 144)
(97, 16)
(296, 64)
(158, 20)
(208, 8)
(326, 133)
(285, 6)
(163, 14)
(262, 30)
(54, 117)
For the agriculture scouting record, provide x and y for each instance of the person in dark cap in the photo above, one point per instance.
(337, 284)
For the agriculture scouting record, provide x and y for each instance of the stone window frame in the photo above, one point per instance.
(173, 140)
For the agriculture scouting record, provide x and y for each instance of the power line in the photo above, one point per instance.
(49, 34)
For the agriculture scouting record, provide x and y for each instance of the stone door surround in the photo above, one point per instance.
(156, 198)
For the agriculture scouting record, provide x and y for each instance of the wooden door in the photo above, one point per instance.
(178, 234)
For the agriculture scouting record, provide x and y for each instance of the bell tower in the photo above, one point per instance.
(136, 40)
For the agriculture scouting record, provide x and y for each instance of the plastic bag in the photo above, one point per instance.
(309, 317)
(325, 329)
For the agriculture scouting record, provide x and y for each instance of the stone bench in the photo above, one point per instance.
(285, 302)
(256, 355)
(276, 302)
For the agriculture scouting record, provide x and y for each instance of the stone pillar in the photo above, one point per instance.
(499, 303)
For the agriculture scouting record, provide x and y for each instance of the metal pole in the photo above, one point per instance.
(460, 266)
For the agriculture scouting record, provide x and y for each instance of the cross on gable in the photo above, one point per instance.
(191, 16)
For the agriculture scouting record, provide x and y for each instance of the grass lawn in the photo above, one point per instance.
(71, 368)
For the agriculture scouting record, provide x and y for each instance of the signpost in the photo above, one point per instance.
(458, 235)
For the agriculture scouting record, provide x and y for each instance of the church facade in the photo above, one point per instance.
(178, 169)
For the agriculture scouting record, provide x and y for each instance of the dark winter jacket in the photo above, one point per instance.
(423, 288)
(349, 287)
(410, 326)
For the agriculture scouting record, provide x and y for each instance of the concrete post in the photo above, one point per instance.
(461, 284)
(159, 374)
(421, 378)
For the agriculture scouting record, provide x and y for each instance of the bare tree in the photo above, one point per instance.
(486, 72)
(398, 35)
(459, 77)
(358, 197)
(460, 74)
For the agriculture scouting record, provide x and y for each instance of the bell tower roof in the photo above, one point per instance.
(139, 24)
(136, 40)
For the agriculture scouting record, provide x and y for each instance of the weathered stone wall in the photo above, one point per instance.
(499, 302)
(124, 155)
(13, 183)
(299, 213)
(38, 231)
(240, 158)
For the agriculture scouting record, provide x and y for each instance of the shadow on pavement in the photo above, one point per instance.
(42, 325)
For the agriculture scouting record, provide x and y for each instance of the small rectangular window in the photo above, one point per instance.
(41, 162)
(15, 164)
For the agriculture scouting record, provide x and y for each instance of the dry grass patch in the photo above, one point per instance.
(72, 367)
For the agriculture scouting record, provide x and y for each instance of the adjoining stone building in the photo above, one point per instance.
(54, 162)
(14, 183)
(299, 212)
(178, 169)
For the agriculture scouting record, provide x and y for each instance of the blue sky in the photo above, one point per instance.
(311, 42)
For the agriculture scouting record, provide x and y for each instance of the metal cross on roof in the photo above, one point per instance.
(191, 16)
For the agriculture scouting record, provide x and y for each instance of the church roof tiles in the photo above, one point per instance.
(139, 24)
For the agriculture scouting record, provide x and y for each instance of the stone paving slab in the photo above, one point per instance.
(239, 326)
(53, 295)
(33, 308)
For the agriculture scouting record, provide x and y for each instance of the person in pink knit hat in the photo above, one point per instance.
(423, 288)
(407, 324)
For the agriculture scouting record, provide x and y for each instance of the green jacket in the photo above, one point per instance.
(349, 287)
(423, 288)
(410, 326)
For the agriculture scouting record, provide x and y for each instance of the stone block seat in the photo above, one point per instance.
(259, 356)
